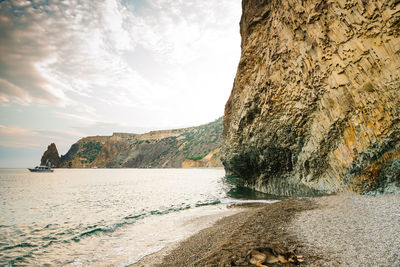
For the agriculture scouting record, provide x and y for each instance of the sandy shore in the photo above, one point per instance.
(338, 230)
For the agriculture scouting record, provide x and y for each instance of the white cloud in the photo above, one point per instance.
(14, 136)
(14, 130)
(10, 91)
(77, 118)
(171, 62)
(20, 3)
(22, 46)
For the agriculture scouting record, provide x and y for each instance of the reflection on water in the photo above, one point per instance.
(237, 190)
(241, 192)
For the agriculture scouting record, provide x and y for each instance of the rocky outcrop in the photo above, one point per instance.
(156, 149)
(315, 103)
(212, 159)
(51, 155)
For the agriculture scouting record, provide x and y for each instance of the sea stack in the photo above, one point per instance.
(51, 154)
(315, 103)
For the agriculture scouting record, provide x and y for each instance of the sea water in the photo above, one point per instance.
(103, 217)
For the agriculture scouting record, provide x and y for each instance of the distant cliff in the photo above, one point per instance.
(212, 159)
(156, 149)
(315, 104)
(51, 155)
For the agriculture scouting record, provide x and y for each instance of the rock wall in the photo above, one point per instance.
(315, 102)
(212, 159)
(51, 154)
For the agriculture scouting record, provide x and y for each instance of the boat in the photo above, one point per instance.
(41, 169)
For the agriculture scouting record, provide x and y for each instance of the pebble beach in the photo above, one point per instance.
(336, 230)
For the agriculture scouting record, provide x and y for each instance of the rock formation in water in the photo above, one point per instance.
(316, 99)
(157, 149)
(51, 155)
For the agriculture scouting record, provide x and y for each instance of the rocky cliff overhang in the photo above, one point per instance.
(315, 102)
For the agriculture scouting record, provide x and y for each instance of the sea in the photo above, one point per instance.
(108, 217)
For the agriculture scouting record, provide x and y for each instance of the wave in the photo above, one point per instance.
(145, 254)
(107, 229)
(198, 204)
(208, 203)
(19, 259)
(77, 234)
(130, 219)
(21, 245)
(247, 201)
(139, 216)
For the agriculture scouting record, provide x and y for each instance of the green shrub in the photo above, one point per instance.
(89, 151)
(196, 157)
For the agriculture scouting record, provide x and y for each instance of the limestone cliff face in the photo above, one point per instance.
(316, 100)
(51, 154)
(156, 149)
(212, 159)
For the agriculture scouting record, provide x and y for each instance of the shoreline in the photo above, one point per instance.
(207, 218)
(342, 229)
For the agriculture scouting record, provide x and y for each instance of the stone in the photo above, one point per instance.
(51, 155)
(315, 104)
(211, 160)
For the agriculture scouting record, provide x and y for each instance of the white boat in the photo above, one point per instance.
(41, 169)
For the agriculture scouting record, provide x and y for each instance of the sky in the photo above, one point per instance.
(73, 68)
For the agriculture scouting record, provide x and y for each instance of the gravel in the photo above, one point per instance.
(337, 230)
(352, 230)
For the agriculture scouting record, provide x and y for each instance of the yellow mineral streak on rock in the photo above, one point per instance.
(370, 174)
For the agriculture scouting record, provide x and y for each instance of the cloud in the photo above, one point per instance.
(108, 128)
(97, 67)
(57, 134)
(14, 131)
(13, 136)
(22, 47)
(20, 3)
(10, 91)
(196, 45)
(87, 126)
(171, 61)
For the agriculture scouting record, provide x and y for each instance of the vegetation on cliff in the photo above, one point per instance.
(157, 149)
(89, 151)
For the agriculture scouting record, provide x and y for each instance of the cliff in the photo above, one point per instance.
(51, 155)
(315, 102)
(212, 159)
(156, 149)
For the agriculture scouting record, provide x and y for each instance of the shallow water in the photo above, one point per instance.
(102, 216)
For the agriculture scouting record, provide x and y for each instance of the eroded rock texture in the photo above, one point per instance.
(315, 102)
(51, 155)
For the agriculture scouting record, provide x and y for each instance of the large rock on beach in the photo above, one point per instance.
(316, 100)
